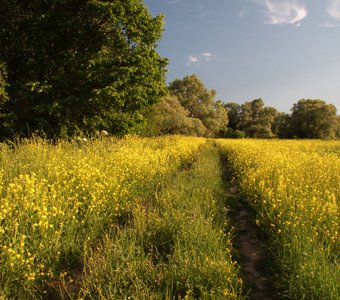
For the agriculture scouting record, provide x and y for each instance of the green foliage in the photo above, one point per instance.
(3, 84)
(58, 201)
(312, 119)
(178, 245)
(233, 134)
(252, 119)
(256, 120)
(170, 117)
(3, 96)
(200, 103)
(113, 219)
(309, 119)
(80, 65)
(234, 114)
(337, 128)
(294, 188)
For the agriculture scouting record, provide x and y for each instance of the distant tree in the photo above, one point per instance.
(249, 117)
(200, 103)
(313, 119)
(256, 120)
(269, 120)
(231, 133)
(170, 117)
(3, 84)
(79, 65)
(3, 95)
(337, 130)
(282, 125)
(234, 114)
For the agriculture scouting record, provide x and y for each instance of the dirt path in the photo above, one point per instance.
(251, 248)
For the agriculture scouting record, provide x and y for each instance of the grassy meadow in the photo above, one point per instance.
(147, 218)
(294, 186)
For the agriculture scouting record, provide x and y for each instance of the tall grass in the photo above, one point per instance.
(140, 218)
(176, 245)
(57, 200)
(295, 188)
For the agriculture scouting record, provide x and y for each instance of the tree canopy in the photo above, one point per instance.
(200, 103)
(253, 118)
(312, 119)
(78, 65)
(191, 109)
(308, 119)
(170, 117)
(3, 84)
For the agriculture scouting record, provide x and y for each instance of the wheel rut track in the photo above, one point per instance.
(250, 244)
(252, 252)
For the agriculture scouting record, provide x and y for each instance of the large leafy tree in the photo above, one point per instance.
(79, 64)
(234, 114)
(170, 117)
(257, 120)
(312, 119)
(200, 103)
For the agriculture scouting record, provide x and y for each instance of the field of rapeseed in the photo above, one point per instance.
(146, 218)
(111, 219)
(294, 186)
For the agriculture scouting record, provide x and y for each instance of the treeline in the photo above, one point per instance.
(310, 119)
(191, 109)
(77, 67)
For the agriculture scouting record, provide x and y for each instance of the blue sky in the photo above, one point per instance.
(278, 50)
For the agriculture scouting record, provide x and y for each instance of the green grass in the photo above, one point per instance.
(113, 219)
(146, 218)
(176, 244)
(294, 188)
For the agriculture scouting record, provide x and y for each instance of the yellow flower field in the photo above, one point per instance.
(56, 199)
(295, 188)
(146, 217)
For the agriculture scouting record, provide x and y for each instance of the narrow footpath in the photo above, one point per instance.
(250, 244)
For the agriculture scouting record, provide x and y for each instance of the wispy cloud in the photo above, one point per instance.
(197, 59)
(193, 60)
(207, 56)
(280, 12)
(197, 8)
(329, 25)
(173, 1)
(242, 13)
(333, 9)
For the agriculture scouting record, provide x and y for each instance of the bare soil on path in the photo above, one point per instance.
(250, 245)
(251, 249)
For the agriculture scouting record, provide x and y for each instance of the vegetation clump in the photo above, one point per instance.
(294, 188)
(78, 66)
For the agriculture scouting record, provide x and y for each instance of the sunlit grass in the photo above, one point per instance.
(111, 219)
(177, 246)
(145, 217)
(295, 188)
(57, 199)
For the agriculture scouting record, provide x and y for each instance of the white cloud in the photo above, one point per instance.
(333, 9)
(207, 56)
(195, 60)
(282, 11)
(173, 1)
